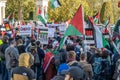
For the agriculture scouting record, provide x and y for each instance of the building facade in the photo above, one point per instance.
(2, 10)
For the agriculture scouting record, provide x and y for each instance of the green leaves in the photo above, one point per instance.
(107, 11)
(27, 6)
(66, 10)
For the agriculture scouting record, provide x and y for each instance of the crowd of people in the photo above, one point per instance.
(27, 59)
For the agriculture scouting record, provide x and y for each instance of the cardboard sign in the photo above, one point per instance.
(25, 30)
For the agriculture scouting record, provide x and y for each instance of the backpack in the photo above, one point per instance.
(77, 51)
(2, 50)
(13, 61)
(106, 67)
(97, 65)
(57, 59)
(116, 75)
(2, 55)
(102, 66)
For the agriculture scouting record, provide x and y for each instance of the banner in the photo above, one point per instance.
(25, 30)
(43, 35)
(51, 32)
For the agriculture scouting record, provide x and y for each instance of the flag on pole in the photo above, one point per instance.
(99, 39)
(38, 11)
(107, 21)
(55, 3)
(97, 18)
(13, 19)
(40, 18)
(106, 25)
(76, 26)
(91, 19)
(8, 18)
(78, 20)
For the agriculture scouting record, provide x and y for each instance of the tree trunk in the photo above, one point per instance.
(20, 12)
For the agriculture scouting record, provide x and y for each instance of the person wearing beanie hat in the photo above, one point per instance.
(63, 68)
(74, 73)
(58, 78)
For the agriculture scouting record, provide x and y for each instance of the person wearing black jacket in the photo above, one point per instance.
(3, 47)
(41, 55)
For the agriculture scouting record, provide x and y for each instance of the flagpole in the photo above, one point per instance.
(112, 41)
(84, 36)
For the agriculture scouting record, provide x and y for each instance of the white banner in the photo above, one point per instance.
(51, 32)
(43, 35)
(25, 30)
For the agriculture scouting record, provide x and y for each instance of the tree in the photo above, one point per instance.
(67, 10)
(21, 8)
(107, 11)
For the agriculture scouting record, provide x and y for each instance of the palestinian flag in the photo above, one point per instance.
(106, 25)
(101, 42)
(40, 18)
(55, 3)
(76, 26)
(97, 18)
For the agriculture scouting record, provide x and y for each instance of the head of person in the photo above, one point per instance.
(62, 69)
(19, 41)
(71, 56)
(33, 49)
(105, 54)
(12, 42)
(38, 44)
(58, 78)
(5, 39)
(26, 60)
(83, 57)
(50, 46)
(70, 47)
(74, 73)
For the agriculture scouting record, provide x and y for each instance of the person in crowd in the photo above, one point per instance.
(11, 57)
(63, 53)
(58, 78)
(20, 46)
(71, 58)
(23, 71)
(74, 73)
(33, 51)
(3, 47)
(106, 65)
(49, 64)
(61, 56)
(41, 55)
(77, 49)
(86, 67)
(62, 69)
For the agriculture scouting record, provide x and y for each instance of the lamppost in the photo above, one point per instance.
(2, 10)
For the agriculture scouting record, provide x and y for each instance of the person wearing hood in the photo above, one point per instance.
(23, 71)
(3, 46)
(49, 64)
